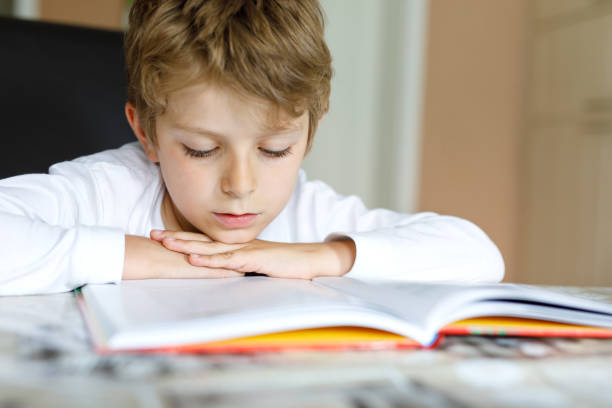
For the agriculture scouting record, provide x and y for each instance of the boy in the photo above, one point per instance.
(224, 98)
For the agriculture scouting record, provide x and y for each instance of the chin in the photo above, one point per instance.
(234, 237)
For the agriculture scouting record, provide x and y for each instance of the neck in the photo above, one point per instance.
(172, 218)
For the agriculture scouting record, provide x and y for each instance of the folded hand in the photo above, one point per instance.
(275, 259)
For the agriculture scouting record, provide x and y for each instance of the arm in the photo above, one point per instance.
(54, 239)
(428, 247)
(435, 248)
(391, 245)
(42, 246)
(348, 239)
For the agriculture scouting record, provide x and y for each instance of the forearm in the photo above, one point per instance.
(431, 247)
(40, 258)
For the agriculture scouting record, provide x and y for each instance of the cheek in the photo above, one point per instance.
(184, 180)
(278, 185)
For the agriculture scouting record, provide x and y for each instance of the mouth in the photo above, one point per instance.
(230, 220)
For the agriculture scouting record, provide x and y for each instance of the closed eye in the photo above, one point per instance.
(208, 153)
(199, 153)
(276, 153)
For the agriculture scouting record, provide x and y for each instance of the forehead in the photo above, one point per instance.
(205, 104)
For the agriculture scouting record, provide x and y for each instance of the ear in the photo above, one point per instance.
(149, 148)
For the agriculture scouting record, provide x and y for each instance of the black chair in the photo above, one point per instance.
(62, 93)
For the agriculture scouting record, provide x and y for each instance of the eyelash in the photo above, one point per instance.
(208, 153)
(277, 154)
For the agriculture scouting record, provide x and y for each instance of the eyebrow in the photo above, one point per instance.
(207, 132)
(198, 130)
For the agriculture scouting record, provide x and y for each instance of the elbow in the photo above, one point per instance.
(495, 266)
(491, 266)
(487, 261)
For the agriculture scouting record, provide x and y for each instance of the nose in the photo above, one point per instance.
(238, 179)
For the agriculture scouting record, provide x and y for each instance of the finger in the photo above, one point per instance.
(159, 235)
(235, 261)
(199, 247)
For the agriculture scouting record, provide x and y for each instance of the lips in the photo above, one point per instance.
(235, 220)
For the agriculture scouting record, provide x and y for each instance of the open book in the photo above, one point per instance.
(234, 314)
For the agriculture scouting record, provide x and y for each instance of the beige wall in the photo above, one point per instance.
(106, 14)
(472, 116)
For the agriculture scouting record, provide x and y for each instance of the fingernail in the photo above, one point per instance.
(195, 255)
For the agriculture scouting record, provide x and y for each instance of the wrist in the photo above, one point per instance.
(137, 262)
(146, 259)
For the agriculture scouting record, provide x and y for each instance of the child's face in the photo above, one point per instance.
(222, 156)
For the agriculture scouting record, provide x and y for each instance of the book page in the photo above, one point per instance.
(597, 294)
(156, 313)
(156, 301)
(152, 313)
(417, 302)
(433, 305)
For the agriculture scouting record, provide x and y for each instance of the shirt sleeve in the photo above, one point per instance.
(52, 240)
(396, 246)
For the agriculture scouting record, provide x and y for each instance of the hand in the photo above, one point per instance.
(148, 259)
(275, 259)
(159, 235)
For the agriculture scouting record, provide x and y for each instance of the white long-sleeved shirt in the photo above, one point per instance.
(67, 228)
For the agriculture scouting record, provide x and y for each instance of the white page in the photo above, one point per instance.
(154, 301)
(533, 311)
(432, 305)
(153, 313)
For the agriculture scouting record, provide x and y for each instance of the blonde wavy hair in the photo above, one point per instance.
(270, 49)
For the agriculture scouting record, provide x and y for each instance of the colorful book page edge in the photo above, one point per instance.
(321, 339)
(509, 326)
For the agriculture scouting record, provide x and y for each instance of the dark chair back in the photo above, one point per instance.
(62, 93)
